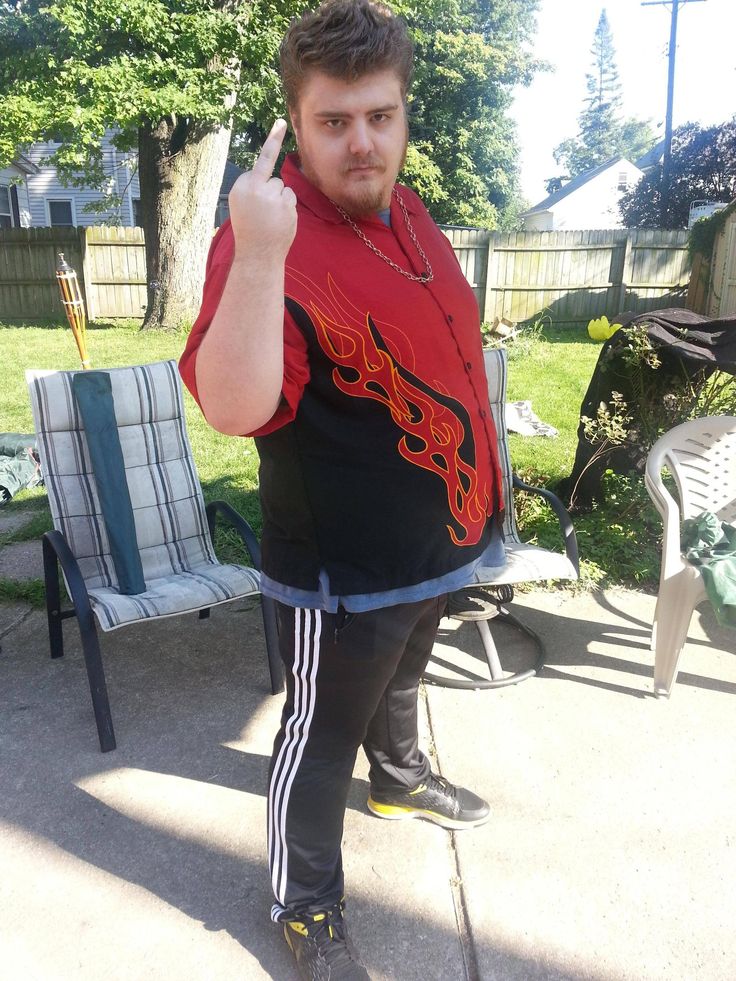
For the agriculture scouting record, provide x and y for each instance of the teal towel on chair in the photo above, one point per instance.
(710, 544)
(93, 393)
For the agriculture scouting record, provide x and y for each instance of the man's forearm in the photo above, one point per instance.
(240, 362)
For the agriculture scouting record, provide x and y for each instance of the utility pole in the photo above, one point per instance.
(674, 5)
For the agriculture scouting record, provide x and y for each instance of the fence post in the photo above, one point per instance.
(488, 313)
(86, 273)
(625, 272)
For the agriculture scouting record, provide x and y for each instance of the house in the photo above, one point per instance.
(589, 200)
(31, 194)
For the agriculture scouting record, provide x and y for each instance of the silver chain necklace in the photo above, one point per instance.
(425, 277)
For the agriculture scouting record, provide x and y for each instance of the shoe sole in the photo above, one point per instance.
(393, 812)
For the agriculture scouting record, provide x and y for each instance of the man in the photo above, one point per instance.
(337, 328)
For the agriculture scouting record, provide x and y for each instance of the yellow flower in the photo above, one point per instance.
(601, 329)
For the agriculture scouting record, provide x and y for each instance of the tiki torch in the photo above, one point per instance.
(71, 297)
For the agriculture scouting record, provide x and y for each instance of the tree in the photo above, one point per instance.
(702, 166)
(602, 133)
(167, 75)
(463, 155)
(173, 77)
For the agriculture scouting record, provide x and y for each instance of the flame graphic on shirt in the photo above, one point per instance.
(437, 431)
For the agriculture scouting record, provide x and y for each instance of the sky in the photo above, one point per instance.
(705, 72)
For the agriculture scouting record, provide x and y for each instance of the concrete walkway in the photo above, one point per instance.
(611, 853)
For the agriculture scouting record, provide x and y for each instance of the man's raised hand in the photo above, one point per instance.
(262, 209)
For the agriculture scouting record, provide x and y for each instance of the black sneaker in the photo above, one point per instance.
(322, 948)
(434, 800)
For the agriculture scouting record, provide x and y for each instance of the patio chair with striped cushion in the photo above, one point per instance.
(131, 530)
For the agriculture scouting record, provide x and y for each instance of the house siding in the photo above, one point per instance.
(46, 185)
(592, 205)
(540, 221)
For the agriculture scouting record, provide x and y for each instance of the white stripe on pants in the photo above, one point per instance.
(297, 733)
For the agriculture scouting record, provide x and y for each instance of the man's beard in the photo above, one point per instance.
(362, 200)
(365, 199)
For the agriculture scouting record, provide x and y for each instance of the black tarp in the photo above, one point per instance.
(688, 345)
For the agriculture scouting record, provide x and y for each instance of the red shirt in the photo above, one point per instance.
(384, 397)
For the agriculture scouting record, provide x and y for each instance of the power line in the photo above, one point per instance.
(666, 162)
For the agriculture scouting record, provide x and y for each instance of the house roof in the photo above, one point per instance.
(25, 165)
(232, 172)
(652, 157)
(573, 185)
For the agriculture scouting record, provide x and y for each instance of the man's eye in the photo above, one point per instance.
(333, 123)
(380, 117)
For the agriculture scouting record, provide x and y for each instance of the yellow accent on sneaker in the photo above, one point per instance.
(389, 809)
(301, 928)
(420, 788)
(397, 812)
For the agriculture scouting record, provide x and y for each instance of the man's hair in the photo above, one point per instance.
(345, 39)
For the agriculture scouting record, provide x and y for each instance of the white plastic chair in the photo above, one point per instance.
(701, 456)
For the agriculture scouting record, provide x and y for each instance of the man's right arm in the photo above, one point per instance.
(240, 362)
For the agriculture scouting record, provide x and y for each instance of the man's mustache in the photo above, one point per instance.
(363, 164)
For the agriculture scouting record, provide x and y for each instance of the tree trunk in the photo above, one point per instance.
(181, 163)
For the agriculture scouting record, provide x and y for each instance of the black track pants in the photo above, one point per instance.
(352, 679)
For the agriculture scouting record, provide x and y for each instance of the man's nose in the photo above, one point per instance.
(361, 142)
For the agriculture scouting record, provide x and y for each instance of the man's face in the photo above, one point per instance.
(352, 138)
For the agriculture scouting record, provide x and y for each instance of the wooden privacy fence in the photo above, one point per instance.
(110, 263)
(573, 276)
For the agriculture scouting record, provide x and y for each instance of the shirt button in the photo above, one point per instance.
(450, 318)
(482, 413)
(468, 365)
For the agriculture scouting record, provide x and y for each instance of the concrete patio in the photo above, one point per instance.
(611, 853)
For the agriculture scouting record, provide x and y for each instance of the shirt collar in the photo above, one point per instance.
(312, 198)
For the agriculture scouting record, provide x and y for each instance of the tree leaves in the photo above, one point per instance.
(702, 166)
(468, 58)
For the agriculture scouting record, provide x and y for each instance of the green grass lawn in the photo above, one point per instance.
(618, 541)
(551, 371)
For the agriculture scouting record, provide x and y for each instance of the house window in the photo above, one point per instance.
(137, 217)
(6, 214)
(60, 212)
(623, 181)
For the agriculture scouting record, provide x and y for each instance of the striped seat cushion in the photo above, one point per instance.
(202, 586)
(528, 563)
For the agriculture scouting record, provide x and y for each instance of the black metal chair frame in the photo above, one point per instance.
(56, 552)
